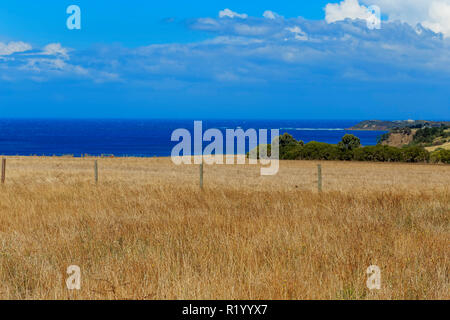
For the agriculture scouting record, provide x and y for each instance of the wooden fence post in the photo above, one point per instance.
(319, 177)
(201, 175)
(96, 171)
(3, 170)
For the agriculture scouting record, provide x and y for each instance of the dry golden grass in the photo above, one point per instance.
(146, 231)
(445, 146)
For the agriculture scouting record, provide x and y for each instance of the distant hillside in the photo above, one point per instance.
(398, 138)
(431, 138)
(381, 125)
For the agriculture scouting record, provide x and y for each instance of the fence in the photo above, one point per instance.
(201, 171)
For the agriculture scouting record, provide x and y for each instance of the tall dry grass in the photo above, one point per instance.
(146, 231)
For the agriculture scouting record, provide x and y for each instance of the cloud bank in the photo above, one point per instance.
(231, 14)
(13, 47)
(348, 9)
(432, 14)
(257, 60)
(243, 48)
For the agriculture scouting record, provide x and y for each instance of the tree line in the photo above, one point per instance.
(349, 148)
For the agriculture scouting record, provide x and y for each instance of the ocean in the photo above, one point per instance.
(146, 138)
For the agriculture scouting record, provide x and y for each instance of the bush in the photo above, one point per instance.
(287, 140)
(349, 149)
(292, 153)
(415, 154)
(404, 130)
(427, 135)
(378, 153)
(440, 156)
(318, 151)
(287, 143)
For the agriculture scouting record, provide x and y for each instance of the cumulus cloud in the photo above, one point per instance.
(433, 14)
(259, 49)
(13, 47)
(411, 11)
(268, 14)
(231, 14)
(439, 18)
(347, 9)
(257, 60)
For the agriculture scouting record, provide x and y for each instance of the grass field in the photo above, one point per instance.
(146, 231)
(445, 146)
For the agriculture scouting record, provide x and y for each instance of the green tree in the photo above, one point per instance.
(378, 153)
(319, 151)
(349, 142)
(415, 154)
(440, 155)
(288, 144)
(286, 139)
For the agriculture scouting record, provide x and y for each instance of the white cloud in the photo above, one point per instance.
(232, 40)
(256, 44)
(231, 14)
(411, 11)
(271, 15)
(433, 14)
(13, 47)
(208, 21)
(439, 18)
(43, 64)
(346, 9)
(299, 34)
(55, 49)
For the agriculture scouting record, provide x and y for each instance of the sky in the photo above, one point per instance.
(226, 59)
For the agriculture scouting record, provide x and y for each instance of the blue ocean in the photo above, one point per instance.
(147, 138)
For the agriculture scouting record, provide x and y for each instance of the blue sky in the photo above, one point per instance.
(224, 59)
(134, 23)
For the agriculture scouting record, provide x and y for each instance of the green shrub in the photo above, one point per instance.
(440, 156)
(415, 154)
(287, 140)
(428, 135)
(290, 152)
(293, 153)
(318, 151)
(287, 143)
(378, 153)
(349, 149)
